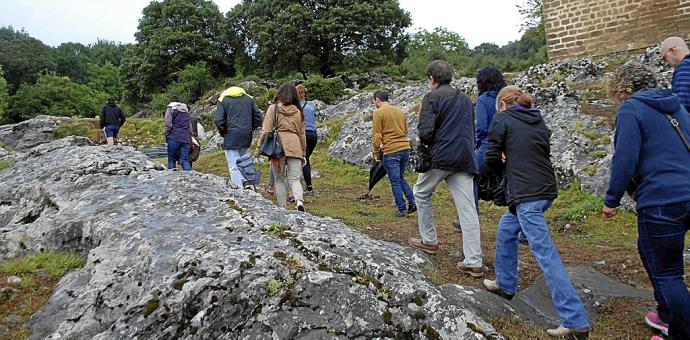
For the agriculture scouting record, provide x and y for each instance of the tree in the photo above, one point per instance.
(3, 96)
(532, 11)
(192, 82)
(173, 34)
(425, 46)
(22, 57)
(326, 36)
(71, 59)
(105, 78)
(56, 96)
(103, 51)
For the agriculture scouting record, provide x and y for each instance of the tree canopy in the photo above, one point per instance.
(323, 36)
(173, 34)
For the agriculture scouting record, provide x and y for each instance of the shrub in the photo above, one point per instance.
(328, 90)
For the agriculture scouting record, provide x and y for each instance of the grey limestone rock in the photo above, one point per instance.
(27, 134)
(181, 255)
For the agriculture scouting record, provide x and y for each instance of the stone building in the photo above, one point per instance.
(595, 27)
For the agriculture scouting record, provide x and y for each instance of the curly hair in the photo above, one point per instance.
(628, 79)
(490, 78)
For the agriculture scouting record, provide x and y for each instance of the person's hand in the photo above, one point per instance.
(503, 157)
(607, 212)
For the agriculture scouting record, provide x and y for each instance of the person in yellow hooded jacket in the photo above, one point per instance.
(290, 126)
(236, 118)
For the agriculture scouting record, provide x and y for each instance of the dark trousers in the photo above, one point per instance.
(312, 138)
(661, 241)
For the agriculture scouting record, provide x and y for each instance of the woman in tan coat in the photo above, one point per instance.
(291, 131)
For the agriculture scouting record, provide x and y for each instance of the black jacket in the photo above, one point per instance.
(522, 134)
(236, 118)
(446, 124)
(111, 114)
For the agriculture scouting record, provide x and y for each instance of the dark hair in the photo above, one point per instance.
(174, 98)
(381, 95)
(110, 99)
(490, 79)
(287, 94)
(630, 78)
(441, 71)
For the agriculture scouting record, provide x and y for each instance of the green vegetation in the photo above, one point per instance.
(39, 274)
(4, 97)
(138, 132)
(6, 164)
(330, 90)
(274, 286)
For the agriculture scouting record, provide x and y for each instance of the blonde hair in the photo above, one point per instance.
(512, 95)
(301, 91)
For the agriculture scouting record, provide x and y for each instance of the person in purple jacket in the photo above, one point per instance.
(178, 134)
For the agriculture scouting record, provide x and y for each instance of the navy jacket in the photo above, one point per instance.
(680, 84)
(485, 110)
(236, 118)
(181, 125)
(522, 134)
(451, 138)
(648, 148)
(112, 115)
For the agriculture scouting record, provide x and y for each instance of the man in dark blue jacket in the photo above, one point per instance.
(236, 118)
(446, 125)
(652, 162)
(675, 52)
(111, 120)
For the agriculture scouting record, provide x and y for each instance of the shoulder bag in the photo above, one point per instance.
(271, 146)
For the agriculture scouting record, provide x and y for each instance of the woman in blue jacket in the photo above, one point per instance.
(652, 162)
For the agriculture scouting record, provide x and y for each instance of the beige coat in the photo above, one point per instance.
(290, 130)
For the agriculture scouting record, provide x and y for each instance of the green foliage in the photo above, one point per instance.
(55, 264)
(4, 96)
(192, 82)
(323, 36)
(532, 12)
(105, 78)
(56, 96)
(328, 90)
(22, 57)
(71, 60)
(574, 205)
(173, 34)
(6, 164)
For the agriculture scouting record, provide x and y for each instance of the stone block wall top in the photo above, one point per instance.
(578, 28)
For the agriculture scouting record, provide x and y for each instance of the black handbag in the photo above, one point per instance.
(422, 158)
(491, 188)
(271, 145)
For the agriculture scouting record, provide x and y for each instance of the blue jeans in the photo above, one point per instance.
(530, 219)
(231, 157)
(395, 165)
(176, 148)
(660, 242)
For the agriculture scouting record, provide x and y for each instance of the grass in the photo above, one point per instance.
(6, 164)
(39, 274)
(138, 132)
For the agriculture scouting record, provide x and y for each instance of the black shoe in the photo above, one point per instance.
(300, 206)
(457, 226)
(411, 209)
(309, 192)
(400, 214)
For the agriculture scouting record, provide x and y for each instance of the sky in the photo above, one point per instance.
(85, 21)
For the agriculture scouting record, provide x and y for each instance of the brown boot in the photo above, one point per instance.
(419, 244)
(475, 272)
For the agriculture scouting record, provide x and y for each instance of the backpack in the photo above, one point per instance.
(194, 146)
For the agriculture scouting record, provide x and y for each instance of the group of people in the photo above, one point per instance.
(505, 133)
(292, 116)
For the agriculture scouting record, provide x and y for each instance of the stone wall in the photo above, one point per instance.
(596, 27)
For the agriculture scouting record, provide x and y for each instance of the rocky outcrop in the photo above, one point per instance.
(181, 255)
(570, 93)
(353, 143)
(27, 134)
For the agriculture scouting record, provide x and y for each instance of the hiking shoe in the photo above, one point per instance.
(653, 320)
(400, 214)
(309, 192)
(291, 199)
(419, 244)
(269, 192)
(412, 208)
(492, 286)
(570, 333)
(457, 226)
(475, 272)
(300, 206)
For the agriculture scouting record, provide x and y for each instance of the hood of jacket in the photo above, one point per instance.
(111, 104)
(233, 91)
(527, 115)
(661, 100)
(288, 111)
